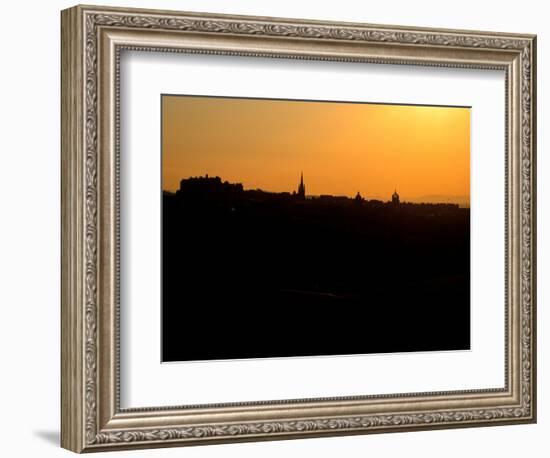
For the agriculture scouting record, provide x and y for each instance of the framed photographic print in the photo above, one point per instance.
(279, 228)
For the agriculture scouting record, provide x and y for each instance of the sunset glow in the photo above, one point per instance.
(342, 148)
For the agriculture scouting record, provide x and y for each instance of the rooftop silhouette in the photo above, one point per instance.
(208, 187)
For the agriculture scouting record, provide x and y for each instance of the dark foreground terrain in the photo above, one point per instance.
(249, 274)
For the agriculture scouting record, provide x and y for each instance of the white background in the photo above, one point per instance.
(29, 242)
(146, 383)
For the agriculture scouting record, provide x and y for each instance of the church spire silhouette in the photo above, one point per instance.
(301, 187)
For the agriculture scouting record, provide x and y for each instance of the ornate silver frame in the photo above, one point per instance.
(92, 38)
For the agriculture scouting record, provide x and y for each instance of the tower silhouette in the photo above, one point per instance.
(395, 197)
(301, 188)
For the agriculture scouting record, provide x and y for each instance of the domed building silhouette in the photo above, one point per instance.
(395, 198)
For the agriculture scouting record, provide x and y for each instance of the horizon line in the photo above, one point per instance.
(458, 202)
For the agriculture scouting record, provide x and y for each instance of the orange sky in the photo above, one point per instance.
(341, 147)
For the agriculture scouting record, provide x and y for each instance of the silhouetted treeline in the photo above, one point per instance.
(254, 274)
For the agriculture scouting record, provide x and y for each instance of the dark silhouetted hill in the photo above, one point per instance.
(247, 273)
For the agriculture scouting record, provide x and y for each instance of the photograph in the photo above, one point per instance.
(294, 228)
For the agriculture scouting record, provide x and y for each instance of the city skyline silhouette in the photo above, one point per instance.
(461, 201)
